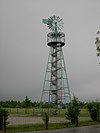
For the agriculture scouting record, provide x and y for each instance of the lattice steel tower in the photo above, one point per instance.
(56, 93)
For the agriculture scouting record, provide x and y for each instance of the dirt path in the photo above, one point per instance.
(33, 120)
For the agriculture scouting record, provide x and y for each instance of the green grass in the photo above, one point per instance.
(25, 127)
(35, 127)
(84, 113)
(20, 112)
(30, 111)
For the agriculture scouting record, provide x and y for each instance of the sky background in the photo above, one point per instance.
(24, 50)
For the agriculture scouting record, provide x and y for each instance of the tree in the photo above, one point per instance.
(97, 43)
(93, 109)
(73, 111)
(3, 119)
(27, 104)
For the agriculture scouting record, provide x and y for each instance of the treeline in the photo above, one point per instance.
(17, 104)
(27, 103)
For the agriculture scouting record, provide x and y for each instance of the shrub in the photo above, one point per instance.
(93, 109)
(73, 111)
(3, 118)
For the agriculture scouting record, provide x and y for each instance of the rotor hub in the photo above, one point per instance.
(54, 23)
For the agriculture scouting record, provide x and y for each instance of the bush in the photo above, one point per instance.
(93, 109)
(3, 118)
(73, 111)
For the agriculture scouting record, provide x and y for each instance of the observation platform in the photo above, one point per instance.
(56, 39)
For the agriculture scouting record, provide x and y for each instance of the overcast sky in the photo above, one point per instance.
(24, 50)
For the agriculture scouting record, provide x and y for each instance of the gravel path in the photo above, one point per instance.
(33, 120)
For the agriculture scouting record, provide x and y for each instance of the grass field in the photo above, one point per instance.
(21, 112)
(31, 111)
(35, 127)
